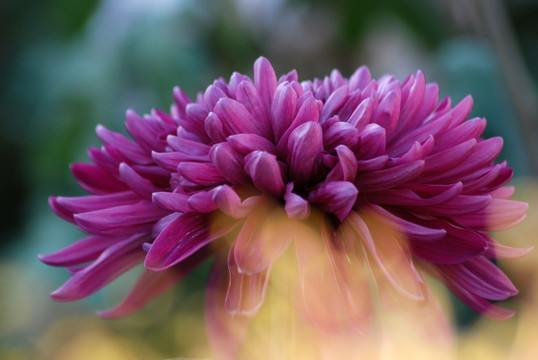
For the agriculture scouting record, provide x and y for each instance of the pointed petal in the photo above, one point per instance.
(296, 207)
(112, 262)
(263, 238)
(143, 187)
(82, 251)
(265, 81)
(264, 170)
(204, 174)
(228, 163)
(150, 285)
(305, 144)
(96, 180)
(283, 109)
(183, 237)
(120, 220)
(245, 293)
(337, 197)
(225, 332)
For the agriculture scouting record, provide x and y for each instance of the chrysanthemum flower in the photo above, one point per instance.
(361, 176)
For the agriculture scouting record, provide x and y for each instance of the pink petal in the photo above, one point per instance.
(337, 197)
(263, 238)
(171, 201)
(244, 144)
(245, 293)
(389, 178)
(129, 149)
(96, 180)
(204, 174)
(120, 220)
(150, 285)
(228, 163)
(112, 262)
(225, 332)
(82, 251)
(296, 207)
(143, 187)
(389, 259)
(264, 170)
(183, 237)
(305, 144)
(265, 80)
(283, 109)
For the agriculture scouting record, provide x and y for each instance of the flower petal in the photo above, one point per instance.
(228, 163)
(245, 293)
(120, 220)
(150, 285)
(337, 197)
(305, 144)
(112, 262)
(82, 251)
(264, 237)
(264, 170)
(296, 207)
(225, 332)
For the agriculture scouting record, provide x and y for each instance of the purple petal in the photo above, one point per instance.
(227, 200)
(79, 204)
(335, 101)
(265, 80)
(362, 114)
(112, 262)
(389, 178)
(305, 144)
(372, 142)
(214, 128)
(235, 118)
(228, 163)
(204, 174)
(202, 201)
(171, 201)
(129, 149)
(296, 207)
(143, 187)
(264, 170)
(180, 239)
(212, 96)
(449, 158)
(481, 277)
(458, 246)
(283, 109)
(337, 197)
(309, 110)
(120, 220)
(244, 144)
(248, 95)
(359, 79)
(82, 251)
(150, 285)
(341, 133)
(387, 112)
(96, 180)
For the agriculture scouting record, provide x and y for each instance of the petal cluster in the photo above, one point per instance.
(354, 173)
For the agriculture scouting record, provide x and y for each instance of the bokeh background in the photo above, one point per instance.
(66, 66)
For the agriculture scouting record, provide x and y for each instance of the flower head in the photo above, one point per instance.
(354, 173)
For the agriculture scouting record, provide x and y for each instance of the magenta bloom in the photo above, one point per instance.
(360, 173)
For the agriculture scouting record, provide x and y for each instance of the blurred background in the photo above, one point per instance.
(66, 66)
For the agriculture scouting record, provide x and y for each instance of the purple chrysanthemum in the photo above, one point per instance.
(360, 173)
